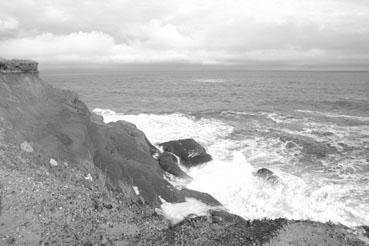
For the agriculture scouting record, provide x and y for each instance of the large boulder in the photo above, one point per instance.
(168, 162)
(190, 152)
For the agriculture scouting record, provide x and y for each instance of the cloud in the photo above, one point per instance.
(47, 46)
(193, 31)
(8, 24)
(56, 14)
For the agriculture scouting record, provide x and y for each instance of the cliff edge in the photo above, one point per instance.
(18, 66)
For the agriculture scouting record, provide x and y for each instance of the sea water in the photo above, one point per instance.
(310, 128)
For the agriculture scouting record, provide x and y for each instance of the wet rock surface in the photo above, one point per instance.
(188, 150)
(168, 162)
(201, 196)
(267, 175)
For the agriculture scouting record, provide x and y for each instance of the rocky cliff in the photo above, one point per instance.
(68, 178)
(59, 126)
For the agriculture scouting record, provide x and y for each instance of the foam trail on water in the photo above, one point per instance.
(209, 80)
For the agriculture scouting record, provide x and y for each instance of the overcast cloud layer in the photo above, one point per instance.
(308, 32)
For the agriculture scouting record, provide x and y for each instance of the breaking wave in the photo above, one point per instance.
(322, 167)
(209, 80)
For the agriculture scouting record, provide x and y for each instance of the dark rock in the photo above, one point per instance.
(168, 162)
(98, 119)
(188, 150)
(267, 175)
(201, 196)
(366, 229)
(10, 241)
(219, 216)
(95, 204)
(264, 173)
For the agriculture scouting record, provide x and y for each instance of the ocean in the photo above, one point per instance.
(311, 128)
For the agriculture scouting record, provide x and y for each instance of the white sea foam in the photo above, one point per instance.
(357, 136)
(160, 128)
(279, 118)
(176, 212)
(209, 80)
(240, 191)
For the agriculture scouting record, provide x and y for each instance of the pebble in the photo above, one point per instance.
(88, 177)
(26, 147)
(53, 162)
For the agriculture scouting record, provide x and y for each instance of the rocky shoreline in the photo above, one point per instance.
(67, 178)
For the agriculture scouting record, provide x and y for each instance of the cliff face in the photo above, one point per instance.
(59, 126)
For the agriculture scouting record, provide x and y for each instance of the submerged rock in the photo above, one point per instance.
(310, 146)
(190, 152)
(168, 162)
(267, 175)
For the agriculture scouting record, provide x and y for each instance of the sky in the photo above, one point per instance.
(208, 32)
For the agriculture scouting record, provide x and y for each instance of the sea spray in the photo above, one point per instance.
(236, 186)
(306, 190)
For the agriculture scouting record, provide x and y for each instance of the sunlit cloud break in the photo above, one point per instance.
(308, 32)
